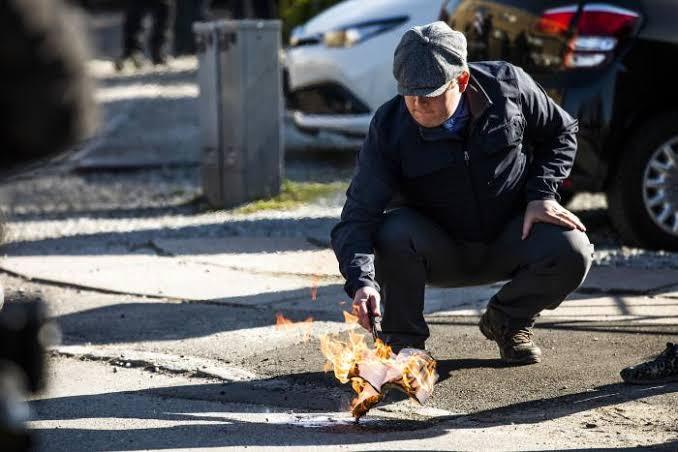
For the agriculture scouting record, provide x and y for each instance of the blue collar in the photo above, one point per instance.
(453, 128)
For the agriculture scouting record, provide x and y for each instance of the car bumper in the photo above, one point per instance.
(317, 138)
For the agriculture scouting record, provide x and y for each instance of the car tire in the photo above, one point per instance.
(627, 193)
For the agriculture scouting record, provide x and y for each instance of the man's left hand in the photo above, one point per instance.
(549, 211)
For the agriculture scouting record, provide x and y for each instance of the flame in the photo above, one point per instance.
(350, 318)
(314, 287)
(369, 369)
(283, 323)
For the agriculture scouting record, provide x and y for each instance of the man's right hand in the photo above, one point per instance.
(366, 300)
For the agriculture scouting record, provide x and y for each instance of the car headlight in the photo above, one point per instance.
(353, 34)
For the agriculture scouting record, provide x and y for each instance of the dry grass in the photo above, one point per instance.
(294, 194)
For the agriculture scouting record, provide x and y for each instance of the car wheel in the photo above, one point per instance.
(643, 192)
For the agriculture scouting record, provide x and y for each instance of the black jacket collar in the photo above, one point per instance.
(478, 100)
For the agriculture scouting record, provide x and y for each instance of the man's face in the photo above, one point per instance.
(433, 111)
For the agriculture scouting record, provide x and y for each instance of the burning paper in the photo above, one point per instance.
(374, 371)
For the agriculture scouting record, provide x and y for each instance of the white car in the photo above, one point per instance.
(339, 68)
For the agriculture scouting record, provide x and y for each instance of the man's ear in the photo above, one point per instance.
(463, 81)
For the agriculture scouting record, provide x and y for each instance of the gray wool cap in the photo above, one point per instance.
(427, 58)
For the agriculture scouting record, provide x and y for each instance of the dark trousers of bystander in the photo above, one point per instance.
(161, 31)
(413, 251)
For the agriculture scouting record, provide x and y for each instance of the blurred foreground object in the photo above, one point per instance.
(662, 369)
(47, 103)
(45, 93)
(241, 110)
(24, 334)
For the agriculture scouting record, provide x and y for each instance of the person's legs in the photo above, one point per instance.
(132, 30)
(161, 33)
(132, 33)
(411, 250)
(264, 9)
(543, 269)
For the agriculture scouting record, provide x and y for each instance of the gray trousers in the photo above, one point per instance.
(413, 251)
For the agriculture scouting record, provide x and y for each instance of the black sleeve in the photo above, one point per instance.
(552, 133)
(370, 191)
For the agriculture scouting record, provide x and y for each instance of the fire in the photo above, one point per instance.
(371, 369)
(350, 318)
(283, 323)
(314, 287)
(343, 356)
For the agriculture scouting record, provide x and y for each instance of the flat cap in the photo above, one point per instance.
(427, 59)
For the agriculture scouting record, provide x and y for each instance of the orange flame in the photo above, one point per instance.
(369, 369)
(314, 288)
(350, 318)
(283, 323)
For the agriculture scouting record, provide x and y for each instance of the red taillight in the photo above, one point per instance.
(557, 20)
(595, 31)
(598, 19)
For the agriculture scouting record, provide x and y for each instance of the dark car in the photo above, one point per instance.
(611, 65)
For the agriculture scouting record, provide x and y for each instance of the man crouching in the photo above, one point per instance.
(476, 152)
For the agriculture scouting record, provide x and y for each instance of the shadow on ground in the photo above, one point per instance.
(669, 327)
(221, 427)
(162, 321)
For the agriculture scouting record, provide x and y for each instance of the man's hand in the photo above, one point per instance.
(366, 300)
(549, 211)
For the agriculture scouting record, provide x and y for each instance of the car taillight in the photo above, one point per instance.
(557, 21)
(599, 19)
(595, 31)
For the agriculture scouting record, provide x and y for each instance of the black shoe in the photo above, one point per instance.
(159, 59)
(662, 369)
(515, 343)
(135, 58)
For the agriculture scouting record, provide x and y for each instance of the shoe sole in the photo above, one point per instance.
(522, 362)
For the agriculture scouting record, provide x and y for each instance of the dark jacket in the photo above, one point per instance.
(518, 147)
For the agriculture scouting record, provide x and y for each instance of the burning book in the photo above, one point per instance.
(374, 371)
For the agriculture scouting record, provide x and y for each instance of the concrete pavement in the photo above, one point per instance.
(169, 343)
(270, 270)
(212, 370)
(136, 410)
